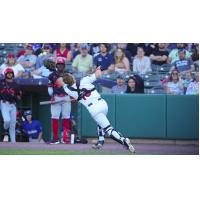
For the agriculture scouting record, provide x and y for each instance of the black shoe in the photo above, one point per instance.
(98, 145)
(54, 142)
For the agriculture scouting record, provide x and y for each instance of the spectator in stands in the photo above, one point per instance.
(195, 52)
(104, 59)
(132, 48)
(11, 62)
(44, 71)
(188, 79)
(193, 87)
(150, 48)
(183, 64)
(37, 48)
(160, 56)
(84, 61)
(127, 53)
(121, 64)
(64, 52)
(46, 52)
(121, 87)
(75, 50)
(32, 128)
(94, 49)
(135, 84)
(28, 60)
(22, 51)
(195, 55)
(174, 85)
(141, 63)
(174, 56)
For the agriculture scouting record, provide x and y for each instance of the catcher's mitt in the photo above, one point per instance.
(68, 79)
(50, 64)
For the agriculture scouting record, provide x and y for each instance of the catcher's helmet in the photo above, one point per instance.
(60, 60)
(50, 63)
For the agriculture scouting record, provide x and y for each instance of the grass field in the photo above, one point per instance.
(56, 152)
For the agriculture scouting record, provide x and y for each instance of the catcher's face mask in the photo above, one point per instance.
(9, 75)
(60, 67)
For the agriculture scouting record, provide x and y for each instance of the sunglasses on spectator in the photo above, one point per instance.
(174, 73)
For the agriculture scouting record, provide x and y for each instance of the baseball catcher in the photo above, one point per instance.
(87, 95)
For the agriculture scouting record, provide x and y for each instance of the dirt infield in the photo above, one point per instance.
(109, 148)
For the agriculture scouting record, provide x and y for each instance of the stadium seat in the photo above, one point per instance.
(165, 68)
(154, 67)
(155, 90)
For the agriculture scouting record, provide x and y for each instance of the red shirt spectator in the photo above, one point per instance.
(63, 52)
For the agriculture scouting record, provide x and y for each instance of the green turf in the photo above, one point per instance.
(56, 152)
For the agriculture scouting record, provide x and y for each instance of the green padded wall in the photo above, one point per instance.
(88, 125)
(183, 117)
(134, 115)
(141, 116)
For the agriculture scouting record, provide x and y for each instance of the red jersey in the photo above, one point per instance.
(62, 54)
(9, 91)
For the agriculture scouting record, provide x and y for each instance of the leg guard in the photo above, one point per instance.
(114, 134)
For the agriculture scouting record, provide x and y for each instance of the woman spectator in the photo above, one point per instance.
(193, 87)
(122, 64)
(141, 63)
(64, 52)
(135, 84)
(11, 62)
(174, 85)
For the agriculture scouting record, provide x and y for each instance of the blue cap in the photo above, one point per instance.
(28, 112)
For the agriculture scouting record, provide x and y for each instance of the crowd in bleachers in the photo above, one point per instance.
(136, 67)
